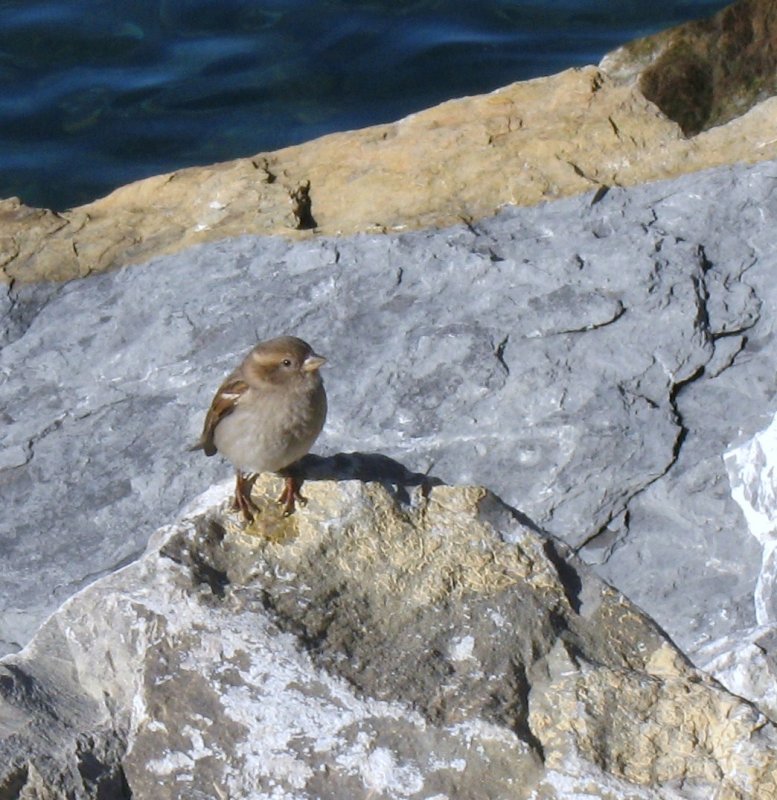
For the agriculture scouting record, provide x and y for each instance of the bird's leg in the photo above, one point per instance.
(243, 502)
(291, 494)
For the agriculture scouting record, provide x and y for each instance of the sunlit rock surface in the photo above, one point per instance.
(590, 360)
(396, 639)
(746, 663)
(462, 160)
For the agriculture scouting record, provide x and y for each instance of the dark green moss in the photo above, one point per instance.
(706, 73)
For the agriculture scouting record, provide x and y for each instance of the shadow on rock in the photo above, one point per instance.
(393, 475)
(365, 467)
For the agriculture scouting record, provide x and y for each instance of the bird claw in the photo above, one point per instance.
(242, 501)
(290, 496)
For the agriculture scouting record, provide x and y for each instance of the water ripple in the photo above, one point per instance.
(96, 94)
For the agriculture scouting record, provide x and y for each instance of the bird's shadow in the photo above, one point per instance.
(365, 467)
(397, 479)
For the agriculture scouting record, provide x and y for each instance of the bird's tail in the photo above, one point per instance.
(207, 447)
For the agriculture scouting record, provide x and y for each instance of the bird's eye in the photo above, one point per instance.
(286, 362)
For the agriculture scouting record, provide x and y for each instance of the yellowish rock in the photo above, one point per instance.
(387, 634)
(462, 160)
(412, 591)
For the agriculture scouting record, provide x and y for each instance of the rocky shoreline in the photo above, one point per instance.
(603, 362)
(539, 140)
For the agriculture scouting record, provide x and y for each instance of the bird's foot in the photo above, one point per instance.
(242, 501)
(291, 495)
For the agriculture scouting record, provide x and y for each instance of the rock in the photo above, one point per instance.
(540, 134)
(591, 361)
(746, 663)
(707, 72)
(393, 639)
(579, 131)
(751, 470)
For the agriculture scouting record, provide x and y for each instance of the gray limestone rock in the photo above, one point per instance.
(395, 640)
(590, 360)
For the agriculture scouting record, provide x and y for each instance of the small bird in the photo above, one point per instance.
(266, 415)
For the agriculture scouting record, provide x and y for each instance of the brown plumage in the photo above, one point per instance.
(266, 415)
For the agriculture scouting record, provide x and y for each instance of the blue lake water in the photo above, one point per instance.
(97, 93)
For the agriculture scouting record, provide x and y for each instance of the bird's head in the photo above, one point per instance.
(285, 361)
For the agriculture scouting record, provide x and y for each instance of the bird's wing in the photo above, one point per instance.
(224, 403)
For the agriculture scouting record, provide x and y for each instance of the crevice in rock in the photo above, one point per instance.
(21, 689)
(630, 396)
(568, 575)
(302, 207)
(701, 322)
(13, 783)
(510, 707)
(703, 326)
(704, 262)
(617, 314)
(99, 766)
(50, 428)
(499, 352)
(470, 225)
(25, 303)
(264, 167)
(647, 225)
(580, 172)
(30, 445)
(294, 620)
(74, 586)
(747, 316)
(730, 358)
(123, 788)
(682, 433)
(202, 572)
(203, 556)
(604, 528)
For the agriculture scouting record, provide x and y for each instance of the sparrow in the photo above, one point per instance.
(266, 415)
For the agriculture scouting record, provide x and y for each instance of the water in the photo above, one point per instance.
(97, 93)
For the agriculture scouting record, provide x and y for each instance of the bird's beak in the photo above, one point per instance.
(312, 363)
